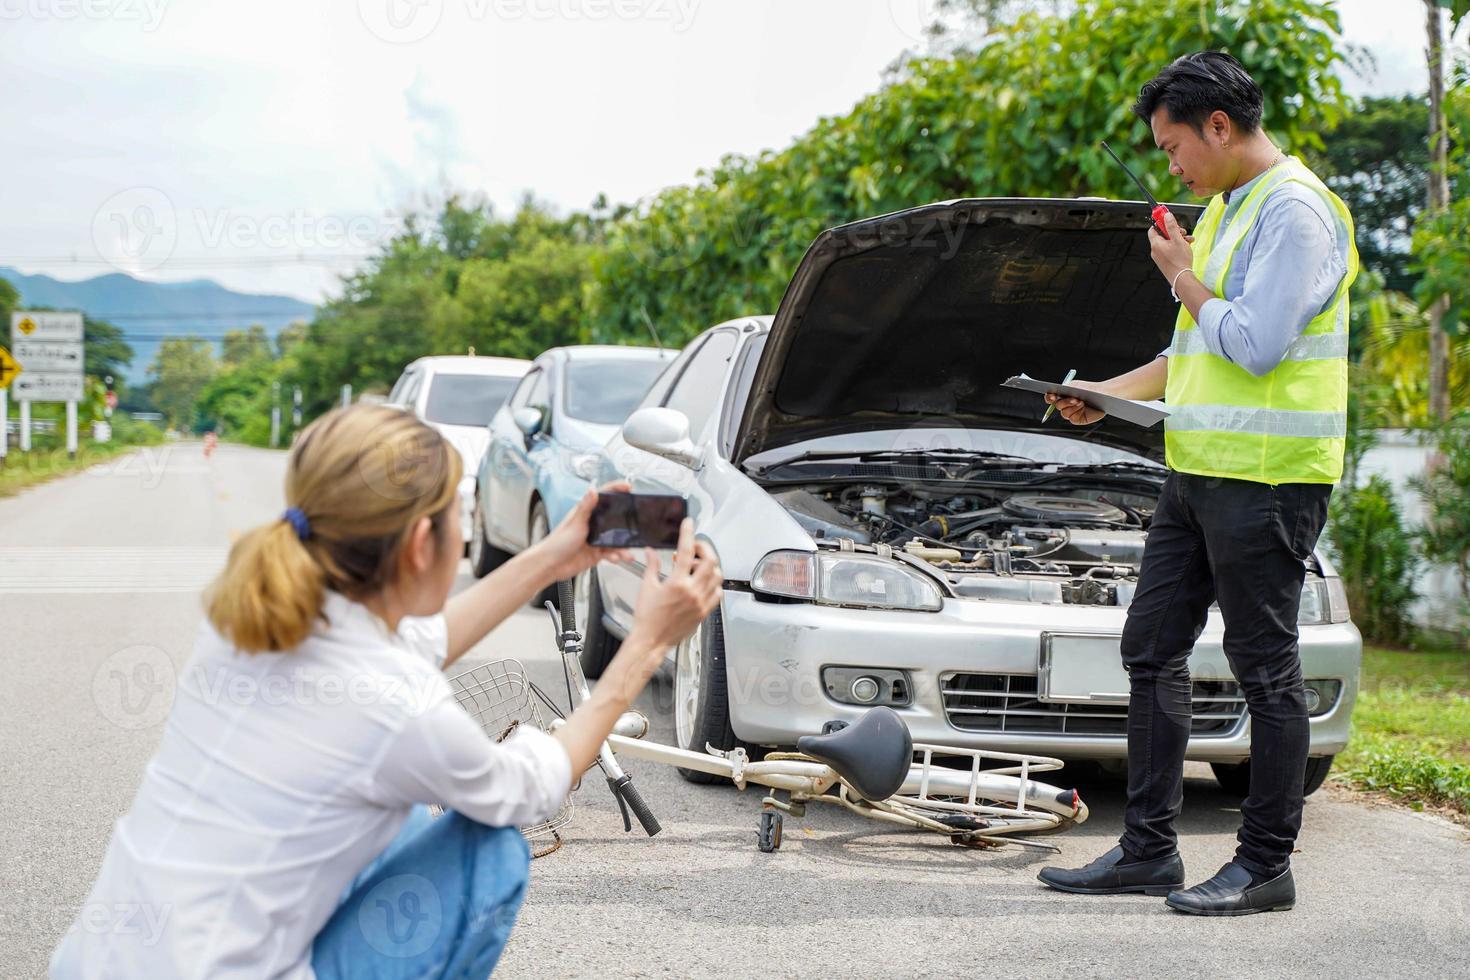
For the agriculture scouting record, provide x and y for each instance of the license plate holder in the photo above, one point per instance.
(1081, 668)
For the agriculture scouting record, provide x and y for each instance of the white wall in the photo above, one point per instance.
(1400, 456)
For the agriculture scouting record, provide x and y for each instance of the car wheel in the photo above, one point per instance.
(540, 528)
(598, 645)
(701, 696)
(1235, 779)
(484, 557)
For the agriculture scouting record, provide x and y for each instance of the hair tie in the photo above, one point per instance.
(297, 519)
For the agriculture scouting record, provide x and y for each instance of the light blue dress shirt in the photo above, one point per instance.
(1284, 274)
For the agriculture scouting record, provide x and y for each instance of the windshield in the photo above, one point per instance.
(606, 391)
(466, 399)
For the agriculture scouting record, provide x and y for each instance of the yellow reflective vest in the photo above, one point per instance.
(1288, 426)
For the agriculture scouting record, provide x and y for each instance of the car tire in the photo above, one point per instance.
(484, 557)
(701, 696)
(598, 645)
(540, 528)
(1235, 778)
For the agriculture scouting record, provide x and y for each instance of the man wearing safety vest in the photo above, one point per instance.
(1256, 385)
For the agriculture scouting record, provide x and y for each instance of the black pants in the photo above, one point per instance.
(1244, 545)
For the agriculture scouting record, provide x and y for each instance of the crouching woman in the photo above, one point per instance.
(280, 829)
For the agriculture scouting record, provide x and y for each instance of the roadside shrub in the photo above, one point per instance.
(1374, 555)
(1415, 772)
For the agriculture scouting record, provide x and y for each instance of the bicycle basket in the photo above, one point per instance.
(499, 698)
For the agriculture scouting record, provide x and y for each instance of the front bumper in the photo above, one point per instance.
(775, 653)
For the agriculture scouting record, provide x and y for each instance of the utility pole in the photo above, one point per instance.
(1439, 200)
(275, 414)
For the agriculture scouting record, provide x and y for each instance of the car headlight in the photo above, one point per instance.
(584, 465)
(845, 579)
(1324, 600)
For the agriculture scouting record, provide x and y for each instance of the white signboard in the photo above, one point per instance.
(28, 325)
(63, 356)
(34, 386)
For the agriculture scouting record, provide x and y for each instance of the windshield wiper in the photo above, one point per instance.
(830, 455)
(1116, 465)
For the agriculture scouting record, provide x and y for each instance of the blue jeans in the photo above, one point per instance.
(438, 902)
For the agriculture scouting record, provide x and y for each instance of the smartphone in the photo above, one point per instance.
(636, 520)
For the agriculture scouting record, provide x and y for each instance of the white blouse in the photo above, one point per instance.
(278, 778)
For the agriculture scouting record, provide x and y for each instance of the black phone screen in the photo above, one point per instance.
(636, 520)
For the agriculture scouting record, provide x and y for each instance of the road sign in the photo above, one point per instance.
(8, 368)
(37, 386)
(111, 400)
(60, 356)
(33, 325)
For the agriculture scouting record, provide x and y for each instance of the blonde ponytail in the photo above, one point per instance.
(360, 478)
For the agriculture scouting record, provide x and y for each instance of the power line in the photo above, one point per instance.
(228, 315)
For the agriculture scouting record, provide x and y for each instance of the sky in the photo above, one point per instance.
(271, 144)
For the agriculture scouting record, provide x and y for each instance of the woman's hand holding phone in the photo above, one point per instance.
(667, 611)
(565, 551)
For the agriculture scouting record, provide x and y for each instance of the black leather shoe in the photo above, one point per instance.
(1230, 893)
(1115, 874)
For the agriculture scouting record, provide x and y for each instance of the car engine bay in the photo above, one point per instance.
(1081, 546)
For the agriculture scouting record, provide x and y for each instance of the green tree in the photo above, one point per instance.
(179, 372)
(106, 352)
(1368, 543)
(1019, 116)
(9, 299)
(1376, 159)
(242, 346)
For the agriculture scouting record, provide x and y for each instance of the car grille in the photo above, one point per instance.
(1008, 703)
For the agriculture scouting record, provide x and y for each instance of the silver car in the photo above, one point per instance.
(897, 528)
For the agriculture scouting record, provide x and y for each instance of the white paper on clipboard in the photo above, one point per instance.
(1145, 414)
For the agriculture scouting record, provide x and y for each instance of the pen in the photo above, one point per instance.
(1053, 406)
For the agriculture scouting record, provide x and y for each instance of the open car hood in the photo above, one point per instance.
(916, 317)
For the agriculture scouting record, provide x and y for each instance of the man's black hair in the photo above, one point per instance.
(1198, 84)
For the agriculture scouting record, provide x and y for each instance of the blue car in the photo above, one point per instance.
(546, 439)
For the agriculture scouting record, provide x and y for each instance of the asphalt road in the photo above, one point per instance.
(99, 580)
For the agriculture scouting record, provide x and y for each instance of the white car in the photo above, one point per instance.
(458, 395)
(896, 527)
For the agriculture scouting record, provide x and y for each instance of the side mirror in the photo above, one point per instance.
(528, 420)
(663, 432)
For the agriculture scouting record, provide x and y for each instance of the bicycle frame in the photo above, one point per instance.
(929, 787)
(971, 804)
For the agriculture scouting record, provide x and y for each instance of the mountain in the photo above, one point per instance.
(148, 312)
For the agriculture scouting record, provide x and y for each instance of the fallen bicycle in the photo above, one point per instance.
(870, 767)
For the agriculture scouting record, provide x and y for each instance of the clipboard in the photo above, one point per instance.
(1145, 414)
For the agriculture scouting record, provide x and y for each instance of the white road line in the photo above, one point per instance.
(34, 571)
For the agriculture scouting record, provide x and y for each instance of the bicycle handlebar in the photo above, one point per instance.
(566, 594)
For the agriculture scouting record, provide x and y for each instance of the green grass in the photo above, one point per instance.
(1411, 728)
(48, 460)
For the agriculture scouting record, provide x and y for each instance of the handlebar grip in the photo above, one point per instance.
(566, 594)
(629, 792)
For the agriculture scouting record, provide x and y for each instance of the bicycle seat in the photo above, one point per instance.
(872, 755)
